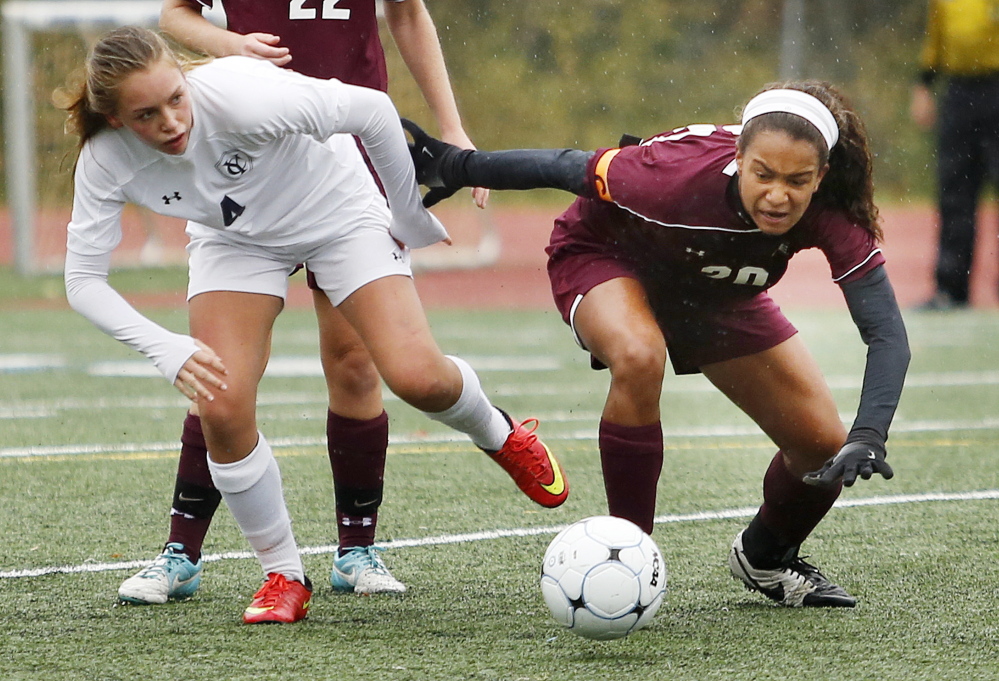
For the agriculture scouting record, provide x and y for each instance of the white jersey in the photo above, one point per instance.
(263, 165)
(264, 168)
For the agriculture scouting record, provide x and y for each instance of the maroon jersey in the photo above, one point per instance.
(327, 38)
(670, 209)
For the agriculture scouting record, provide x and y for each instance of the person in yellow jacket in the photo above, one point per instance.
(962, 47)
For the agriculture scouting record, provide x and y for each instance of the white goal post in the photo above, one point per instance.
(21, 18)
(44, 41)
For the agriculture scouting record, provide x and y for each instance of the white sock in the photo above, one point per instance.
(473, 414)
(252, 490)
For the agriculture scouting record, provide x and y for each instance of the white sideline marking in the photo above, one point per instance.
(282, 366)
(135, 448)
(26, 413)
(122, 369)
(486, 535)
(676, 385)
(28, 362)
(310, 366)
(748, 430)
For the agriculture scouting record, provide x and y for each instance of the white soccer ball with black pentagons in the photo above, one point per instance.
(603, 578)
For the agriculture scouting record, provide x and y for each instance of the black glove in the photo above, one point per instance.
(863, 455)
(430, 155)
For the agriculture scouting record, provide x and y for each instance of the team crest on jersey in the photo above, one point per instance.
(234, 164)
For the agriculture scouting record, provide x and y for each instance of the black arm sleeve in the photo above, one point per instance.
(519, 169)
(872, 305)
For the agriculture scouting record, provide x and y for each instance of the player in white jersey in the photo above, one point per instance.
(250, 153)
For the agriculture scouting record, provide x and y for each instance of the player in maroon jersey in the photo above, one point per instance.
(324, 39)
(670, 250)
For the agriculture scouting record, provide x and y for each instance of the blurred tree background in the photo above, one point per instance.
(582, 72)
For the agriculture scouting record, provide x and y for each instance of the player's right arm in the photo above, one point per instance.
(266, 103)
(189, 364)
(93, 233)
(446, 168)
(183, 20)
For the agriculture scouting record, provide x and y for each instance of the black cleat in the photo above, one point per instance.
(794, 584)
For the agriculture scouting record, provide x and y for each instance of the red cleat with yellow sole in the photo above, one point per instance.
(279, 601)
(532, 465)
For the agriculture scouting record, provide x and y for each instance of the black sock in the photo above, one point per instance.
(762, 547)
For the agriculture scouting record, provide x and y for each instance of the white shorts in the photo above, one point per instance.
(341, 266)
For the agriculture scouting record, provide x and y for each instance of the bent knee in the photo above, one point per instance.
(810, 453)
(352, 372)
(425, 391)
(638, 360)
(228, 415)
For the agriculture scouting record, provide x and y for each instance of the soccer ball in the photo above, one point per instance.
(603, 578)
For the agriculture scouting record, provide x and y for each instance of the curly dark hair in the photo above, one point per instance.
(849, 184)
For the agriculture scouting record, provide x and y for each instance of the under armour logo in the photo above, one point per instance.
(397, 256)
(168, 199)
(699, 254)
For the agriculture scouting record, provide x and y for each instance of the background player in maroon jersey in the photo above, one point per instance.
(671, 248)
(324, 39)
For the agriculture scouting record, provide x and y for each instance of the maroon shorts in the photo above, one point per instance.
(697, 332)
(310, 279)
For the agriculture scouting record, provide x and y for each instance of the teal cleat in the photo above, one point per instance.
(172, 576)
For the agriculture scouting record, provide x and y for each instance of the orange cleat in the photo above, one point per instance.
(532, 465)
(279, 601)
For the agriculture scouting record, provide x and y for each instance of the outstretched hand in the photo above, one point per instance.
(201, 374)
(864, 456)
(480, 195)
(429, 154)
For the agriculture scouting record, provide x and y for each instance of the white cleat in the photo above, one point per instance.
(172, 576)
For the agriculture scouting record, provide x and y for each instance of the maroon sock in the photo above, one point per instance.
(357, 451)
(195, 497)
(791, 509)
(632, 459)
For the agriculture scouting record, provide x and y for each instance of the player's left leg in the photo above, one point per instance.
(357, 430)
(388, 316)
(238, 327)
(784, 392)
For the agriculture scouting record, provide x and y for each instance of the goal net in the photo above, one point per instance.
(45, 42)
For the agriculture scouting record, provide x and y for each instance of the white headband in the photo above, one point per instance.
(798, 103)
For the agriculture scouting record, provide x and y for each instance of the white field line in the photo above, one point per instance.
(718, 431)
(487, 535)
(674, 385)
(310, 367)
(282, 366)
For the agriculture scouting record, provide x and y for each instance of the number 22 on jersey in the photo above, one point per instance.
(330, 10)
